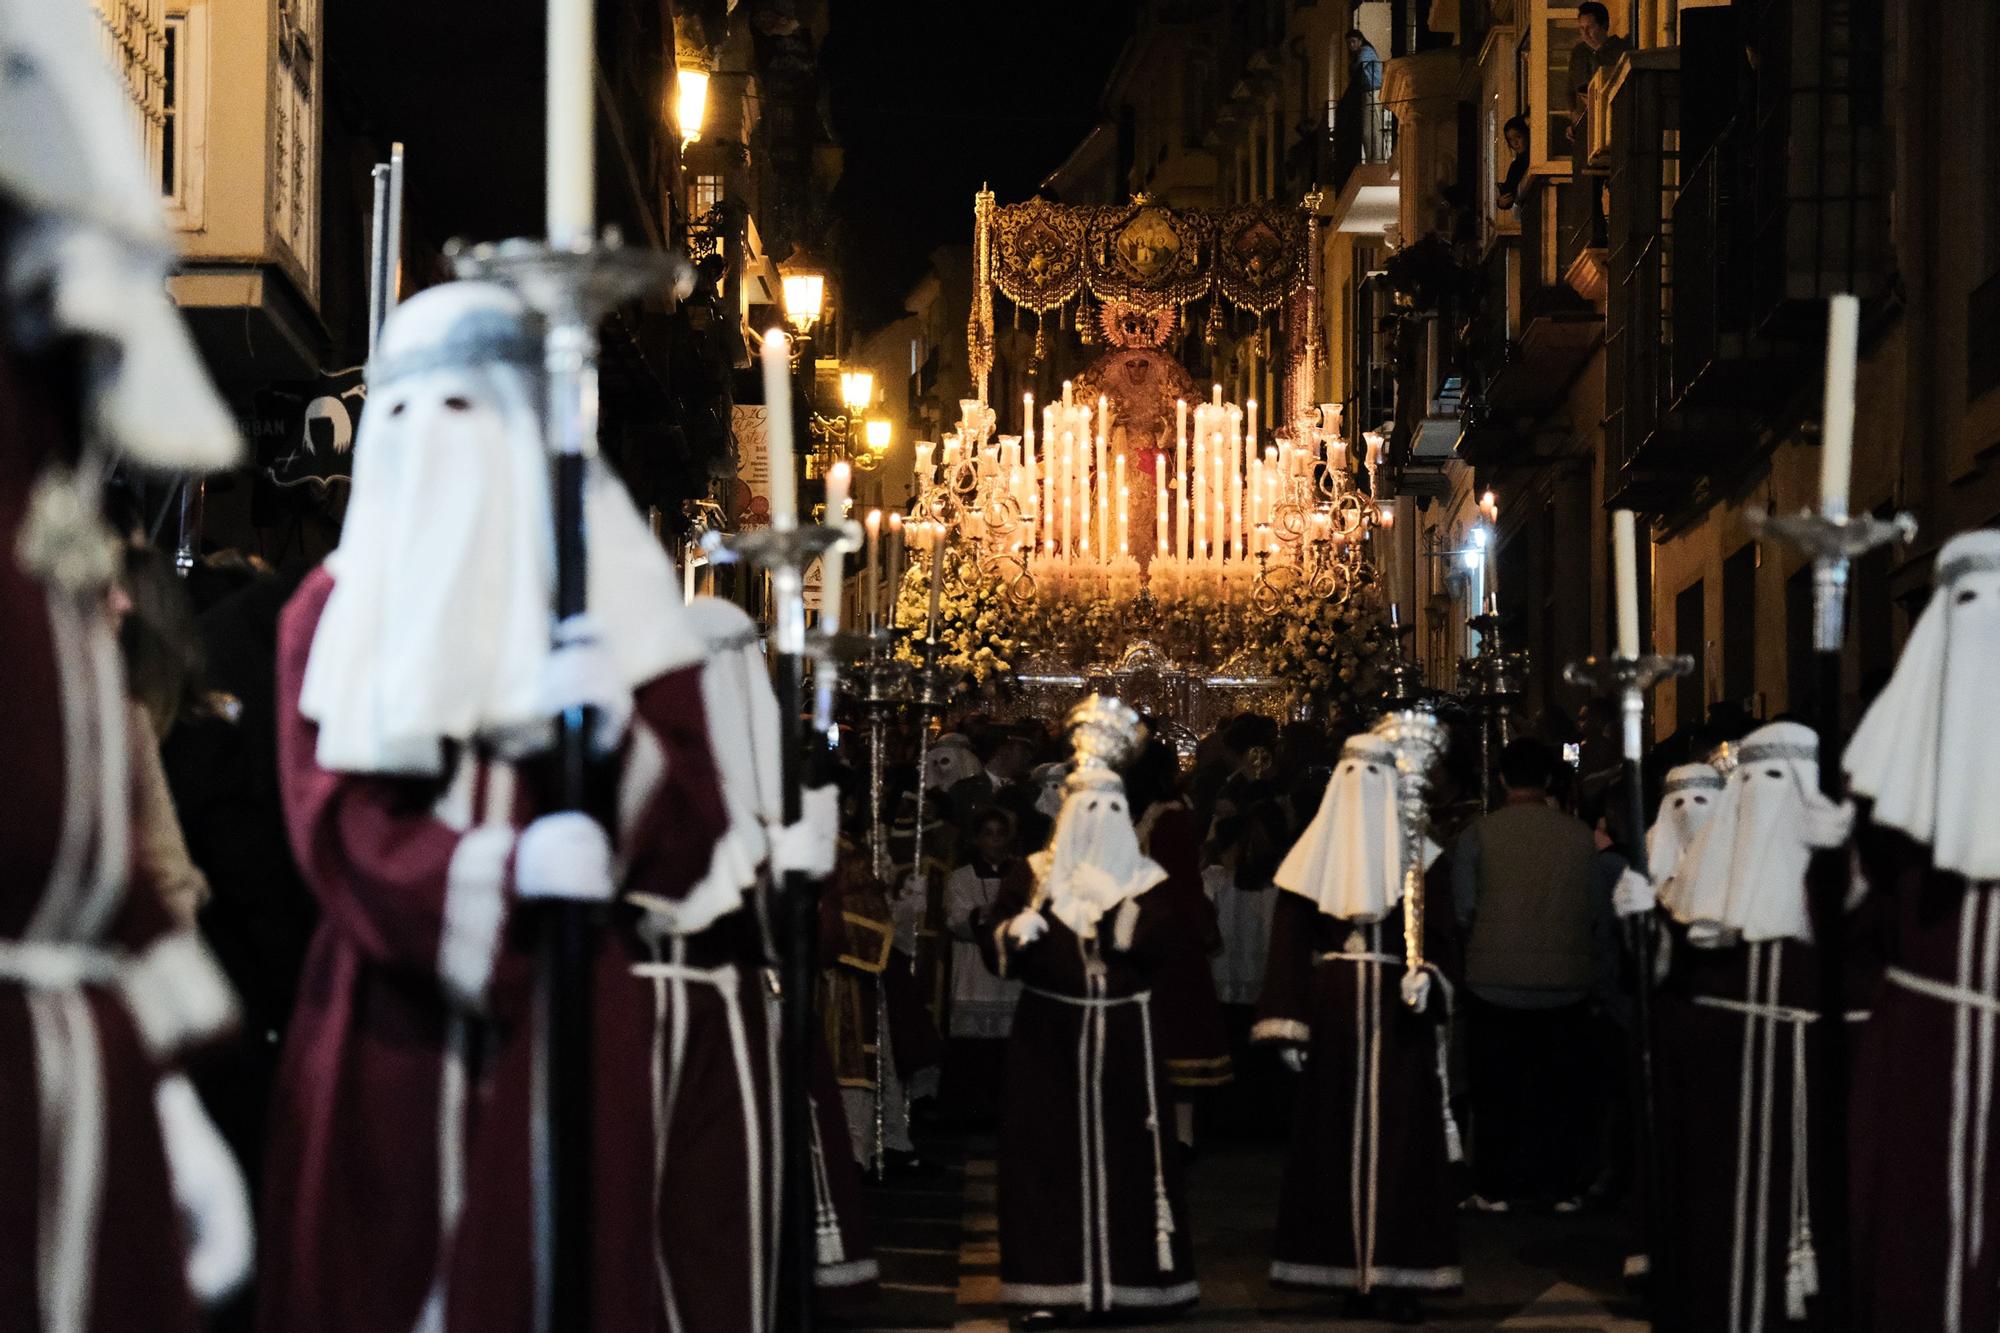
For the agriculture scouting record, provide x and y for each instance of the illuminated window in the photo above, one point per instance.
(705, 193)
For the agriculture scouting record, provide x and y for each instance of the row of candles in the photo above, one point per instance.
(1075, 499)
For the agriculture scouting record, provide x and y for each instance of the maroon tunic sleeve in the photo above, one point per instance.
(1284, 1009)
(1017, 888)
(670, 797)
(408, 890)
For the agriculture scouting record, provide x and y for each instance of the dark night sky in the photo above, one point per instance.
(932, 97)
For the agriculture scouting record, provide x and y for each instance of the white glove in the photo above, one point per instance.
(208, 1191)
(1294, 1058)
(1633, 894)
(564, 855)
(1026, 928)
(580, 673)
(1417, 988)
(808, 846)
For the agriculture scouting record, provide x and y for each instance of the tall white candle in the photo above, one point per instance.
(895, 566)
(777, 365)
(937, 539)
(1124, 523)
(1069, 396)
(1250, 430)
(1103, 483)
(571, 184)
(1625, 560)
(839, 478)
(1216, 398)
(1161, 513)
(871, 586)
(1836, 460)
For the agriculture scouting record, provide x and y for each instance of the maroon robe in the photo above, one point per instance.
(99, 992)
(1187, 1018)
(1737, 1063)
(1925, 1195)
(1091, 1210)
(399, 1186)
(1368, 1202)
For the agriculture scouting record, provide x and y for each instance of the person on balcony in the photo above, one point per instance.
(1361, 104)
(1597, 48)
(1507, 190)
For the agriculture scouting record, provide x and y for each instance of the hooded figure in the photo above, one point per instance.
(1734, 1020)
(415, 680)
(1368, 1200)
(692, 1005)
(1090, 1202)
(1688, 800)
(1744, 874)
(119, 1206)
(1925, 1198)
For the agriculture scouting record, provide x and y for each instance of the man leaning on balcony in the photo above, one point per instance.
(1597, 48)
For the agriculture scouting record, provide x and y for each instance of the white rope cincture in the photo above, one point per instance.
(1163, 1213)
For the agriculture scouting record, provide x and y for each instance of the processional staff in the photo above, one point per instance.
(1833, 538)
(1629, 677)
(785, 550)
(573, 280)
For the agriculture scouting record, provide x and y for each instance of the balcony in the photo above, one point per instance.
(1535, 331)
(1789, 206)
(1352, 156)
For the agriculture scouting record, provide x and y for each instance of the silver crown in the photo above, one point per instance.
(1105, 735)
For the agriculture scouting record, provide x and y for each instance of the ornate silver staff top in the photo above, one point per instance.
(1418, 738)
(1105, 734)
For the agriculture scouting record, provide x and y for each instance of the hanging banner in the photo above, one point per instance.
(750, 426)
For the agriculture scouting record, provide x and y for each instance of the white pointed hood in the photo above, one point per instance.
(1349, 860)
(1928, 751)
(1093, 862)
(90, 254)
(438, 628)
(1692, 794)
(1745, 872)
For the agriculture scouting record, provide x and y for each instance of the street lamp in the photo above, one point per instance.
(690, 103)
(805, 292)
(878, 439)
(857, 390)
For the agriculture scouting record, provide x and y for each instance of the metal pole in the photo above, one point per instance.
(392, 238)
(1833, 538)
(1630, 681)
(378, 240)
(573, 286)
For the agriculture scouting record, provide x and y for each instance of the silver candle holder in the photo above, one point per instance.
(1418, 738)
(1833, 538)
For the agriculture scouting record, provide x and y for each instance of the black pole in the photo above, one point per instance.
(1827, 889)
(568, 940)
(1662, 1245)
(799, 906)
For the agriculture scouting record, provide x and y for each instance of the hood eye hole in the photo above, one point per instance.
(1091, 806)
(1967, 595)
(1701, 800)
(396, 409)
(1680, 802)
(458, 403)
(1373, 769)
(1773, 773)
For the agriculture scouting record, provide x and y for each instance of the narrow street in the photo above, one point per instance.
(941, 1262)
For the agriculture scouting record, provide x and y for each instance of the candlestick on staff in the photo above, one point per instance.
(1834, 538)
(1630, 677)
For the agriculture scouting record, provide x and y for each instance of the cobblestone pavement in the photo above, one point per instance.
(1526, 1274)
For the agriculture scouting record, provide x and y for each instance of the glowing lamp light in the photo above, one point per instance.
(1472, 559)
(690, 102)
(805, 293)
(857, 389)
(877, 435)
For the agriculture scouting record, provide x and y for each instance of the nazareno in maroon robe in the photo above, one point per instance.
(1925, 1197)
(1187, 1017)
(99, 991)
(1091, 1210)
(1736, 1068)
(1368, 1202)
(399, 1186)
